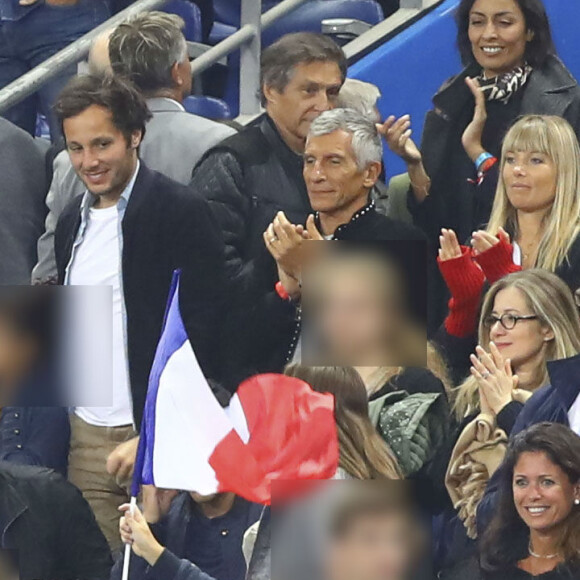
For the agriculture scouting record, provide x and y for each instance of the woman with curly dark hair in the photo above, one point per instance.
(535, 532)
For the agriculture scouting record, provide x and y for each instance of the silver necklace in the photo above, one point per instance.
(534, 555)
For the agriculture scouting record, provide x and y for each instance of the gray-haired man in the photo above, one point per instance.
(342, 162)
(258, 172)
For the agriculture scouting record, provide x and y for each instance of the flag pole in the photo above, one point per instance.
(127, 557)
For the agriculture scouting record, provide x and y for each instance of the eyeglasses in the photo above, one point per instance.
(508, 321)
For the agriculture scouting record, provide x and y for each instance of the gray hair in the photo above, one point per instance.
(279, 59)
(366, 142)
(145, 48)
(361, 97)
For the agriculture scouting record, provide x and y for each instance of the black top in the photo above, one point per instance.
(413, 380)
(560, 573)
(50, 527)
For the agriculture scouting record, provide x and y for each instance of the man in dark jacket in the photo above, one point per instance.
(342, 162)
(130, 231)
(49, 527)
(252, 175)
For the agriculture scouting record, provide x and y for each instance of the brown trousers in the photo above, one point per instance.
(90, 446)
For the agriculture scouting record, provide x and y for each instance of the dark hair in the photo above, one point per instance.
(506, 538)
(537, 50)
(363, 454)
(127, 105)
(145, 48)
(279, 59)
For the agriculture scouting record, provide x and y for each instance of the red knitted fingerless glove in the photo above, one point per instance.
(465, 281)
(497, 262)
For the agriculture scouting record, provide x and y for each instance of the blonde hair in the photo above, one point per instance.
(548, 298)
(554, 137)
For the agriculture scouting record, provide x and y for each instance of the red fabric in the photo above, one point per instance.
(497, 262)
(292, 437)
(465, 280)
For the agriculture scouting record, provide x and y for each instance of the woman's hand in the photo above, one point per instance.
(397, 133)
(471, 138)
(482, 241)
(134, 530)
(494, 377)
(449, 246)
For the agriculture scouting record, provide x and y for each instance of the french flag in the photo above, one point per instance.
(276, 428)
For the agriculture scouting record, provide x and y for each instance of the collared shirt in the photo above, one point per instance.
(95, 402)
(574, 416)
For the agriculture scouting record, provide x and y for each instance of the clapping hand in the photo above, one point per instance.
(472, 136)
(397, 133)
(495, 379)
(482, 241)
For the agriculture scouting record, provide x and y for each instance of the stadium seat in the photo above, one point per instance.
(190, 14)
(306, 18)
(208, 107)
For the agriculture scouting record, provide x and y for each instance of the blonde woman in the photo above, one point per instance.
(527, 319)
(534, 223)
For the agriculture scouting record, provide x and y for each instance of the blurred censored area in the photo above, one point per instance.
(348, 530)
(364, 304)
(39, 334)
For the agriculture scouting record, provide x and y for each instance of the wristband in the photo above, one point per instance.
(481, 159)
(281, 291)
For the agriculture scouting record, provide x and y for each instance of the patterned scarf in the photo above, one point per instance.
(503, 87)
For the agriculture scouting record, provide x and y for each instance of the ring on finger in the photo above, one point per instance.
(485, 375)
(273, 239)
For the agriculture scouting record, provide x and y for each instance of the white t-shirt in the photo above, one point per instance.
(574, 416)
(97, 262)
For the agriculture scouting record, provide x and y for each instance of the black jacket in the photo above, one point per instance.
(550, 90)
(453, 202)
(247, 179)
(50, 527)
(166, 226)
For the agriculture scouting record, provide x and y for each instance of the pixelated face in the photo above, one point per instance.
(100, 154)
(313, 89)
(543, 493)
(374, 547)
(498, 35)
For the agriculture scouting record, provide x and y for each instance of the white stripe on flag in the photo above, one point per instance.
(189, 423)
(236, 414)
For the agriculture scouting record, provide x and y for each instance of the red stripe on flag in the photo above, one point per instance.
(292, 437)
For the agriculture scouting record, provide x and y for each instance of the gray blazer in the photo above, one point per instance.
(22, 190)
(174, 142)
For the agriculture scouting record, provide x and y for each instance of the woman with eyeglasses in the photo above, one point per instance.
(528, 318)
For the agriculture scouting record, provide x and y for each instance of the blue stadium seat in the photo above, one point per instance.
(42, 128)
(190, 14)
(208, 107)
(306, 18)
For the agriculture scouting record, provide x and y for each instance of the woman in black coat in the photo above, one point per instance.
(511, 69)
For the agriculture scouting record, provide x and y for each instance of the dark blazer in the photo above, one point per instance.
(35, 436)
(166, 226)
(50, 526)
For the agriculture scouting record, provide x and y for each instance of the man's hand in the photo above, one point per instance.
(285, 243)
(121, 461)
(397, 133)
(134, 530)
(156, 502)
(471, 138)
(312, 232)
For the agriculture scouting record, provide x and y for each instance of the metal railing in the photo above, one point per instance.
(247, 39)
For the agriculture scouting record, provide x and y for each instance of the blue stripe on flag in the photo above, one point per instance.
(172, 338)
